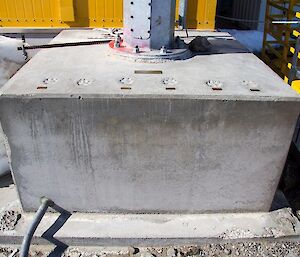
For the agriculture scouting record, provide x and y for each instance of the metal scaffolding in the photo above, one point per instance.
(279, 37)
(294, 74)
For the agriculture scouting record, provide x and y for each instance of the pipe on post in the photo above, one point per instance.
(183, 14)
(45, 203)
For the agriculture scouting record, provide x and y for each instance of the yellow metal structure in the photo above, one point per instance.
(66, 10)
(87, 13)
(278, 37)
(295, 84)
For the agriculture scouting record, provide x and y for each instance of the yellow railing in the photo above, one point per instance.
(295, 84)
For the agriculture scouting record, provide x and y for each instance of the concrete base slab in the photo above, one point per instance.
(147, 229)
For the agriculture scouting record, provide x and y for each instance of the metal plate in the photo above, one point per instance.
(140, 12)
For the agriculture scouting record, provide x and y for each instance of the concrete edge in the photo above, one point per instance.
(136, 242)
(157, 230)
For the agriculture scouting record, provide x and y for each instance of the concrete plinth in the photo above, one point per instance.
(96, 133)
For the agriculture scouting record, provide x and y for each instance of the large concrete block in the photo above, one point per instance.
(80, 139)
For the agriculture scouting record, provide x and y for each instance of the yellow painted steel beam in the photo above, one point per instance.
(88, 13)
(66, 10)
(296, 86)
(296, 33)
(286, 79)
(292, 49)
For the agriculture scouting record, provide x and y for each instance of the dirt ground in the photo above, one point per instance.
(286, 248)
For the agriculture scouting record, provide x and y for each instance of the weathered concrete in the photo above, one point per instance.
(148, 229)
(151, 229)
(4, 162)
(92, 146)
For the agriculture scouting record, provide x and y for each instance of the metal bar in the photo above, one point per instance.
(265, 38)
(286, 49)
(87, 43)
(294, 69)
(45, 203)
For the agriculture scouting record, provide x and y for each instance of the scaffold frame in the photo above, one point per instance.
(279, 38)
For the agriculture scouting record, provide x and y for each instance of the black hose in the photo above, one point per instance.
(45, 203)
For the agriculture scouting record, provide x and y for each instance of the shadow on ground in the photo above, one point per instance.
(6, 181)
(54, 228)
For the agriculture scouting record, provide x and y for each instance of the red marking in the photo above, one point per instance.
(123, 48)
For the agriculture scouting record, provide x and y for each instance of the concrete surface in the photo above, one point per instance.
(146, 229)
(4, 162)
(149, 229)
(170, 144)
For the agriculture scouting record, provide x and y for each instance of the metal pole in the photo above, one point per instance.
(149, 24)
(45, 203)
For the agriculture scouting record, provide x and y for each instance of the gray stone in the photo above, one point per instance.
(200, 44)
(146, 254)
(194, 250)
(227, 251)
(8, 220)
(132, 251)
(171, 252)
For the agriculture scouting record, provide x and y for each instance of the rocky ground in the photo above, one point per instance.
(288, 249)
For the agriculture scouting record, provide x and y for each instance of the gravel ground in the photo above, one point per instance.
(288, 249)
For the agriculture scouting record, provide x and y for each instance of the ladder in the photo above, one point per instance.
(278, 36)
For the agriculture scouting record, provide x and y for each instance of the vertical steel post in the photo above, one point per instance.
(294, 69)
(149, 23)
